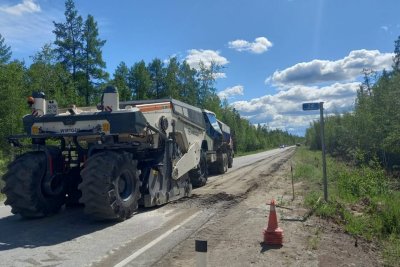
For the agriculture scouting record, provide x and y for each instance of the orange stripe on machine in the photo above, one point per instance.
(154, 107)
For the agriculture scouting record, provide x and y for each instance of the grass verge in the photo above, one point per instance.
(361, 200)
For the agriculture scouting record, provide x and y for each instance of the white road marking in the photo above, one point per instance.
(152, 243)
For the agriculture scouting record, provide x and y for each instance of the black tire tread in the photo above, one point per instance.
(197, 176)
(230, 160)
(97, 186)
(222, 166)
(23, 187)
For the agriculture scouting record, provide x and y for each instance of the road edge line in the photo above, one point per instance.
(152, 243)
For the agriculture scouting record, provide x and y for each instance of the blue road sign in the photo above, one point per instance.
(310, 106)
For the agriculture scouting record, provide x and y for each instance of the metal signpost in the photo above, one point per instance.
(320, 106)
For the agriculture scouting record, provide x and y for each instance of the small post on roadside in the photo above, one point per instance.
(201, 253)
(291, 171)
(320, 106)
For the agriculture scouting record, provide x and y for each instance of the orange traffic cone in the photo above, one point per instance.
(273, 235)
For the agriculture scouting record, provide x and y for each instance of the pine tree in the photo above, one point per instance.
(396, 58)
(92, 60)
(171, 79)
(120, 81)
(139, 81)
(207, 90)
(157, 73)
(69, 37)
(189, 84)
(5, 51)
(47, 75)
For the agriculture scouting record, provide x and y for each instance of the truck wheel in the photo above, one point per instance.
(223, 164)
(25, 189)
(230, 160)
(198, 176)
(110, 185)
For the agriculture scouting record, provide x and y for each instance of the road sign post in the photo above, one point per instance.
(321, 111)
(320, 106)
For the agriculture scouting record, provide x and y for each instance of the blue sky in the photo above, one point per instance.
(275, 54)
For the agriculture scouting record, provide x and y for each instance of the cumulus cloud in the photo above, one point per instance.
(26, 26)
(259, 46)
(284, 109)
(197, 57)
(27, 6)
(231, 92)
(342, 70)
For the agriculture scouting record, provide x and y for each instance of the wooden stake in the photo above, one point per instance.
(291, 170)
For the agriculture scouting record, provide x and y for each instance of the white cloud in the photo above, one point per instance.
(207, 57)
(26, 27)
(197, 57)
(27, 6)
(334, 82)
(231, 92)
(284, 109)
(219, 75)
(260, 45)
(342, 70)
(385, 28)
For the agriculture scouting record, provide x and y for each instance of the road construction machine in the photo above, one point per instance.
(220, 151)
(110, 158)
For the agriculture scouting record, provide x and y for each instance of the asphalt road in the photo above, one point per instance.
(70, 238)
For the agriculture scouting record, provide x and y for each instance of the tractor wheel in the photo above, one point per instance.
(223, 164)
(198, 176)
(110, 185)
(26, 190)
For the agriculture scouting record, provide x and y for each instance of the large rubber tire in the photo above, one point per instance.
(223, 164)
(110, 185)
(199, 176)
(24, 189)
(230, 159)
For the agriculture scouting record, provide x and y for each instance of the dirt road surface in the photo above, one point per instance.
(230, 213)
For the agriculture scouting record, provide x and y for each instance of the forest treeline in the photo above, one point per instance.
(72, 70)
(371, 133)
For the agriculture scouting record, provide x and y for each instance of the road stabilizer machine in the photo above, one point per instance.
(113, 157)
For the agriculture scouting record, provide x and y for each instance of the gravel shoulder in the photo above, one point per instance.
(234, 234)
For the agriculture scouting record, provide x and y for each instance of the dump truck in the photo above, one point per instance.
(110, 158)
(219, 149)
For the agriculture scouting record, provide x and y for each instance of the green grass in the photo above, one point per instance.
(361, 199)
(313, 241)
(391, 252)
